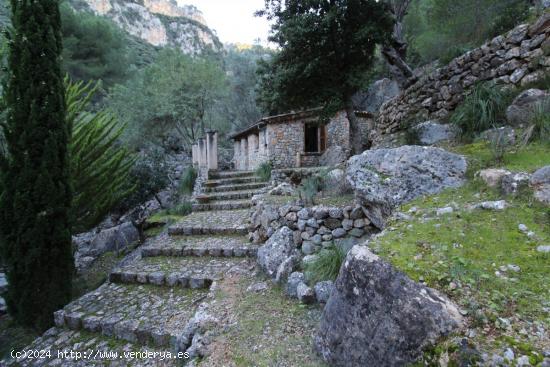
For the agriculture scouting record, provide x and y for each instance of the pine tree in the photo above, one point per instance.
(34, 207)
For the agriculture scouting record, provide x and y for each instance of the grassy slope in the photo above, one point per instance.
(467, 247)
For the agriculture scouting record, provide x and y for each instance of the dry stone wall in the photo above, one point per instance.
(517, 58)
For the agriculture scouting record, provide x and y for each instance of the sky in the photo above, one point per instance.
(233, 20)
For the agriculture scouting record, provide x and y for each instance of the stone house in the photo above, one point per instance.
(294, 139)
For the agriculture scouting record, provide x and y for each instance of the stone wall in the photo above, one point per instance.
(519, 57)
(284, 141)
(314, 227)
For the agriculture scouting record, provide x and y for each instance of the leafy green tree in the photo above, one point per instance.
(36, 200)
(100, 165)
(175, 96)
(94, 48)
(327, 50)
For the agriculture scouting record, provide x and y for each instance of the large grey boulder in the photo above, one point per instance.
(524, 104)
(279, 256)
(379, 92)
(384, 178)
(540, 182)
(377, 316)
(116, 238)
(433, 132)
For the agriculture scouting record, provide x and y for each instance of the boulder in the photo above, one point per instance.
(379, 92)
(284, 189)
(115, 239)
(523, 105)
(493, 176)
(513, 183)
(334, 155)
(505, 135)
(3, 283)
(305, 294)
(433, 132)
(540, 182)
(279, 254)
(323, 290)
(377, 316)
(384, 178)
(292, 284)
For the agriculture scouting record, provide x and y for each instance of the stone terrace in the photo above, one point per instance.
(152, 297)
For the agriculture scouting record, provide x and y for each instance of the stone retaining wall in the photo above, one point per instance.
(314, 227)
(519, 57)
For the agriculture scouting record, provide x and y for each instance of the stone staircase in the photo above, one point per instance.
(230, 190)
(151, 298)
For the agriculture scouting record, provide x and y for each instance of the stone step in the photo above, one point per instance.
(223, 222)
(229, 174)
(108, 349)
(199, 246)
(232, 195)
(222, 205)
(181, 272)
(138, 314)
(238, 187)
(233, 181)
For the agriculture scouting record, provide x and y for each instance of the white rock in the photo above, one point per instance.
(514, 268)
(544, 249)
(443, 211)
(493, 176)
(509, 354)
(492, 205)
(523, 228)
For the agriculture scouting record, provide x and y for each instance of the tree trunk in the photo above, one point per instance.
(356, 142)
(395, 52)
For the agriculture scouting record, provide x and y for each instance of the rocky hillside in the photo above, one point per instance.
(158, 22)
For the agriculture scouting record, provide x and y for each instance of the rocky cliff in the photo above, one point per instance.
(158, 22)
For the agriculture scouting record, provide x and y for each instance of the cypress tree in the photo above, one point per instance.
(34, 206)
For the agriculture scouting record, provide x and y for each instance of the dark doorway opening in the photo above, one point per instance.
(311, 139)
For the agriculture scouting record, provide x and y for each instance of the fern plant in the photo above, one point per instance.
(100, 166)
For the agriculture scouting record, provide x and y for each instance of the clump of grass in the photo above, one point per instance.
(499, 146)
(309, 189)
(264, 171)
(482, 109)
(539, 124)
(181, 209)
(188, 179)
(327, 265)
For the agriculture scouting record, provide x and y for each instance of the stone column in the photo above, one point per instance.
(202, 153)
(237, 154)
(244, 150)
(212, 149)
(195, 153)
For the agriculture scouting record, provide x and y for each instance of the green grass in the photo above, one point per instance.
(269, 328)
(467, 247)
(528, 158)
(188, 179)
(326, 266)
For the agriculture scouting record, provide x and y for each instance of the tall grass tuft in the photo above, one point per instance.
(326, 266)
(188, 179)
(264, 171)
(481, 110)
(539, 124)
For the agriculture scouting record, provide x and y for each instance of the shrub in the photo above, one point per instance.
(482, 109)
(149, 175)
(188, 180)
(264, 171)
(327, 265)
(539, 124)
